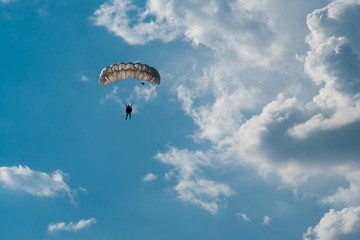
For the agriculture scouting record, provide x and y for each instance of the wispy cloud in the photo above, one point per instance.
(7, 1)
(243, 217)
(202, 192)
(146, 93)
(84, 78)
(149, 177)
(114, 16)
(137, 93)
(191, 186)
(112, 96)
(73, 227)
(205, 25)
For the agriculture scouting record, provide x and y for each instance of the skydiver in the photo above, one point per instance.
(128, 111)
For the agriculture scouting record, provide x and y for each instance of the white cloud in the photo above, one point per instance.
(202, 192)
(333, 62)
(191, 186)
(252, 100)
(112, 96)
(114, 15)
(138, 93)
(256, 140)
(149, 177)
(346, 197)
(84, 78)
(146, 93)
(222, 115)
(243, 217)
(34, 182)
(334, 225)
(266, 220)
(198, 22)
(74, 227)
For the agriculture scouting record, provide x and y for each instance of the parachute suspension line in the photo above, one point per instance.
(132, 103)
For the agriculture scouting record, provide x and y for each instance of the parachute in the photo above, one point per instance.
(129, 70)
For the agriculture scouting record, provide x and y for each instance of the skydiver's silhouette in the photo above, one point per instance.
(128, 111)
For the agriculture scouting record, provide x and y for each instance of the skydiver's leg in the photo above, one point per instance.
(130, 115)
(126, 116)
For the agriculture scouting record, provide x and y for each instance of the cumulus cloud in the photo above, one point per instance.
(149, 177)
(73, 227)
(34, 182)
(343, 224)
(333, 62)
(276, 140)
(257, 104)
(198, 22)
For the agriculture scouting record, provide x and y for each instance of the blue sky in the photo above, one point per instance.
(252, 133)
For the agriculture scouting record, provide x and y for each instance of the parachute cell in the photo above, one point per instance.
(129, 70)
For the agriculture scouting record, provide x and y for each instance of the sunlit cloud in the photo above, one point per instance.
(334, 225)
(333, 61)
(33, 182)
(71, 226)
(114, 16)
(263, 101)
(197, 22)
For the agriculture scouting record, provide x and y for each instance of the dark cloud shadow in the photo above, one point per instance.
(328, 146)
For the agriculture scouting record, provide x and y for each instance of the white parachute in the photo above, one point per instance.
(129, 70)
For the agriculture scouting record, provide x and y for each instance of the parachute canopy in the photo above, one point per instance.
(129, 70)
